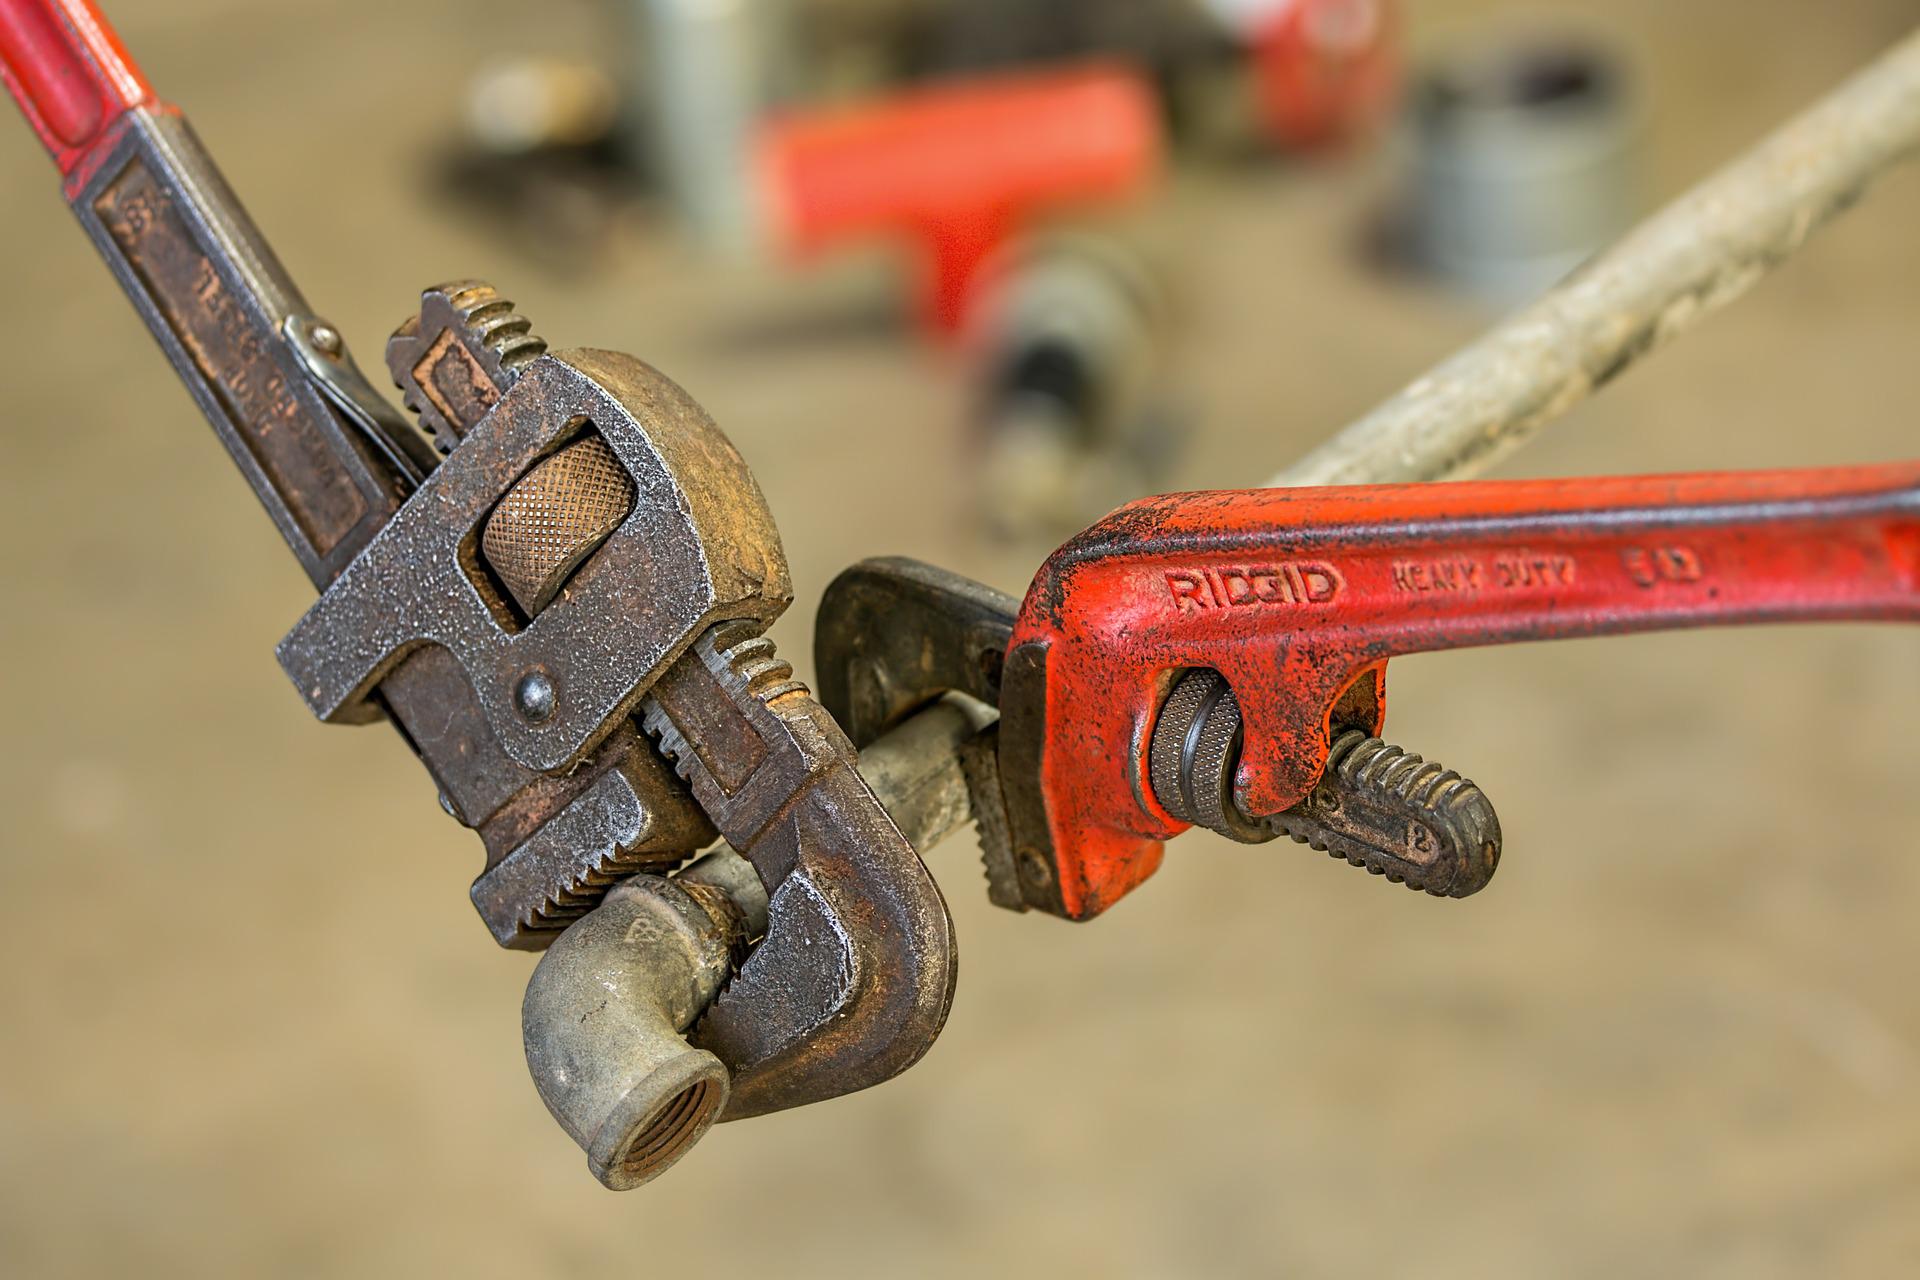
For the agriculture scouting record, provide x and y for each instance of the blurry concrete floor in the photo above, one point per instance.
(252, 1027)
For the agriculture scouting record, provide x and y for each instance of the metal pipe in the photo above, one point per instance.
(605, 1017)
(914, 768)
(606, 1012)
(1693, 257)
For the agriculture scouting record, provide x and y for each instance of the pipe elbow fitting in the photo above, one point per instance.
(605, 1017)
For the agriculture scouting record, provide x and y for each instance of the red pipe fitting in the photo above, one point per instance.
(958, 168)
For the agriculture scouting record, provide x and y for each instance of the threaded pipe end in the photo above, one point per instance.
(660, 1121)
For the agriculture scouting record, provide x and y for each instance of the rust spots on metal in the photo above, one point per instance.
(226, 345)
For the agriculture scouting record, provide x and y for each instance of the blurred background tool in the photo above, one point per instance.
(1068, 357)
(704, 66)
(1063, 333)
(957, 171)
(1522, 157)
(1731, 1055)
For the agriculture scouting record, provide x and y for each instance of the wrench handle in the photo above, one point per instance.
(69, 72)
(1299, 598)
(201, 275)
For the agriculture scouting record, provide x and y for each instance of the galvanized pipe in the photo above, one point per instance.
(1693, 257)
(604, 1018)
(608, 1006)
(914, 768)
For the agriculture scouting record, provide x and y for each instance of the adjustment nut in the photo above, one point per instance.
(1194, 753)
(553, 518)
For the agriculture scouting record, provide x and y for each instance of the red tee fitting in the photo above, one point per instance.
(958, 168)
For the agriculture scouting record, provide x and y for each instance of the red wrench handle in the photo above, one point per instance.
(1299, 598)
(207, 283)
(70, 74)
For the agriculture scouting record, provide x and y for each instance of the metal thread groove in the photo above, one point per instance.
(499, 340)
(1461, 832)
(669, 1131)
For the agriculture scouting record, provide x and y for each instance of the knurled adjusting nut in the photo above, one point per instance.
(1194, 753)
(553, 518)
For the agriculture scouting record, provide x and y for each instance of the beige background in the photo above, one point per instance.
(252, 1027)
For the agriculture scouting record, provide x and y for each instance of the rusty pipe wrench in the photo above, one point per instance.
(589, 541)
(1219, 658)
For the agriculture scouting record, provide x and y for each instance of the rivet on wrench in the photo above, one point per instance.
(534, 697)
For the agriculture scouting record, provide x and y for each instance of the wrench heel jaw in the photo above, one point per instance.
(852, 984)
(1078, 841)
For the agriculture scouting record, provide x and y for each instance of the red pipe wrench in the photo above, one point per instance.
(1220, 658)
(1299, 597)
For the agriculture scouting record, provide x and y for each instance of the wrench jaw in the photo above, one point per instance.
(894, 634)
(854, 978)
(852, 984)
(566, 794)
